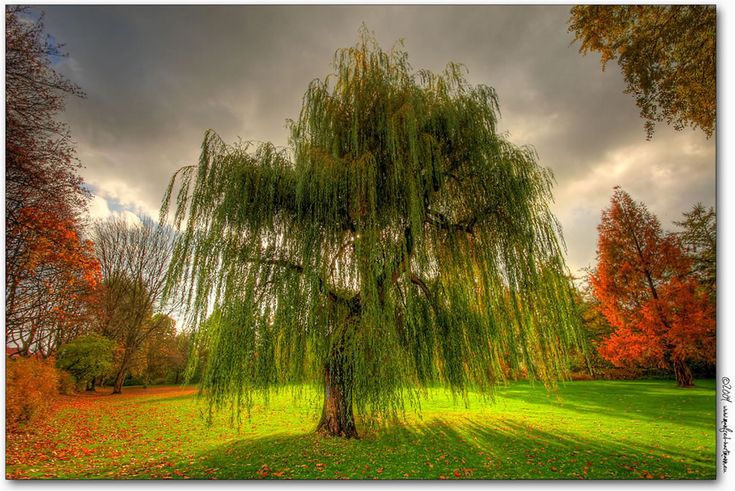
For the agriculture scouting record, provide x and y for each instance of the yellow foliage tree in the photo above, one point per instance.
(667, 55)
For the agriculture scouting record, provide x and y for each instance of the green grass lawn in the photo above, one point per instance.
(592, 430)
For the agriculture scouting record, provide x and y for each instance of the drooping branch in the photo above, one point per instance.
(441, 221)
(399, 236)
(330, 292)
(416, 280)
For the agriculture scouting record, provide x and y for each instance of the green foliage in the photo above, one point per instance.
(667, 55)
(699, 237)
(87, 357)
(163, 356)
(593, 329)
(399, 237)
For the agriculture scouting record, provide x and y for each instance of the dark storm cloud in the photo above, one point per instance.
(158, 77)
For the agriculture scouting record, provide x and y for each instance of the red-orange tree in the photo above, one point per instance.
(49, 269)
(51, 293)
(646, 291)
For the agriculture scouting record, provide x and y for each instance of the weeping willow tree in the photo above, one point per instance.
(399, 242)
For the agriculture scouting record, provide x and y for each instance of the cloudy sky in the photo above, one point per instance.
(157, 77)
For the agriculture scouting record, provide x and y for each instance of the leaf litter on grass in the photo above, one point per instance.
(156, 433)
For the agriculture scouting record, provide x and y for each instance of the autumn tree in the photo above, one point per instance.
(87, 358)
(667, 55)
(699, 237)
(399, 242)
(179, 357)
(645, 291)
(50, 297)
(49, 270)
(594, 329)
(40, 169)
(160, 357)
(134, 258)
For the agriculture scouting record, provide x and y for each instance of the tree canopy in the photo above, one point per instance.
(667, 55)
(398, 242)
(50, 271)
(699, 237)
(134, 259)
(86, 357)
(645, 290)
(55, 277)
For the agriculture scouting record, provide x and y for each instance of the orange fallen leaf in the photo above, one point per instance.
(264, 471)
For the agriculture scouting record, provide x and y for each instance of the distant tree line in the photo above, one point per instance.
(83, 301)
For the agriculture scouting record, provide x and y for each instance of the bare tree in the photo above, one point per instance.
(134, 259)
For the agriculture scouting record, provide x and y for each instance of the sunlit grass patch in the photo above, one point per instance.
(593, 430)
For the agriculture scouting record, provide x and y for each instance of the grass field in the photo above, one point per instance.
(592, 430)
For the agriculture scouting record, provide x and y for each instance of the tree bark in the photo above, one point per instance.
(682, 373)
(121, 374)
(92, 385)
(119, 379)
(337, 416)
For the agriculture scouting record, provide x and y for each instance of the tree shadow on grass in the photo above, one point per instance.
(158, 400)
(639, 401)
(465, 449)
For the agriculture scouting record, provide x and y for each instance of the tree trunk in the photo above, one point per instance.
(682, 373)
(119, 379)
(120, 376)
(92, 385)
(337, 416)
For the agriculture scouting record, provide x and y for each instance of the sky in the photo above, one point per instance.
(156, 78)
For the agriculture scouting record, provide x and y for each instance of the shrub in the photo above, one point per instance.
(86, 357)
(67, 383)
(31, 386)
(580, 376)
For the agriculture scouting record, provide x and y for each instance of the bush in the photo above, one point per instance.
(619, 373)
(86, 357)
(580, 376)
(632, 373)
(31, 386)
(67, 383)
